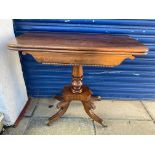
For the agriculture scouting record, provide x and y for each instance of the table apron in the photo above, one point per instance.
(107, 60)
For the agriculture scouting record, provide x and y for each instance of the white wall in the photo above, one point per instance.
(13, 95)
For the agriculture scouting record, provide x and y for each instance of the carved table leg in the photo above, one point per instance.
(59, 98)
(62, 104)
(89, 110)
(91, 105)
(61, 112)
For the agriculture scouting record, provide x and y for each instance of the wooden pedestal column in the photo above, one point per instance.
(76, 91)
(77, 76)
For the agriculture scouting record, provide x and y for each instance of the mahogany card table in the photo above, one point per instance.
(78, 49)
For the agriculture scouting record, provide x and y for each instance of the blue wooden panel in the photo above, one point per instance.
(131, 80)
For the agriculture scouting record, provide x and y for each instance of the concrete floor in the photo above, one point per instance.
(122, 118)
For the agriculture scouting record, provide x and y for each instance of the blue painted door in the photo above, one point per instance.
(131, 80)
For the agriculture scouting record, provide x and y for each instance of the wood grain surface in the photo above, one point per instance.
(69, 42)
(78, 49)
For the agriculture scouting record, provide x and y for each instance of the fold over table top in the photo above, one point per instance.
(77, 42)
(78, 48)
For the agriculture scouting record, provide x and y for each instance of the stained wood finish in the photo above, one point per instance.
(56, 116)
(77, 76)
(107, 60)
(83, 94)
(75, 41)
(78, 50)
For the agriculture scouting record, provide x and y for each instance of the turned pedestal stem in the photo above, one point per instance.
(77, 76)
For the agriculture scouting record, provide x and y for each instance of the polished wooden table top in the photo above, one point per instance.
(78, 48)
(79, 42)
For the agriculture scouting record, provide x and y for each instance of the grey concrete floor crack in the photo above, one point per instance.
(147, 111)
